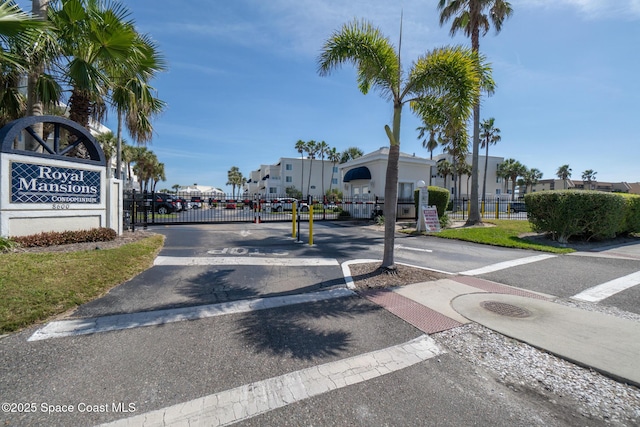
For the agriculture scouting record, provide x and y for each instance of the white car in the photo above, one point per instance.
(280, 205)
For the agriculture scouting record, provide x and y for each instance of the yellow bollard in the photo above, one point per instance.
(311, 224)
(497, 210)
(293, 223)
(482, 210)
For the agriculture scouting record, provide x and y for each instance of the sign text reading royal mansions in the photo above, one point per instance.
(32, 183)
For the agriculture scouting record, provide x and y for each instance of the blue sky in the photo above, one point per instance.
(243, 87)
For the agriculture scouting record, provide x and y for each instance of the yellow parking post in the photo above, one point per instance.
(482, 210)
(311, 224)
(497, 209)
(293, 222)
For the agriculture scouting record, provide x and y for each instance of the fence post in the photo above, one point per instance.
(134, 210)
(311, 224)
(293, 219)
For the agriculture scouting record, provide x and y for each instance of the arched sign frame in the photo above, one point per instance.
(51, 190)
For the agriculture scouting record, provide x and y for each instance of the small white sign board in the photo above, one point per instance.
(430, 215)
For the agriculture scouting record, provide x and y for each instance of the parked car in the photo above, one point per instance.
(163, 203)
(196, 202)
(279, 205)
(518, 207)
(230, 205)
(184, 204)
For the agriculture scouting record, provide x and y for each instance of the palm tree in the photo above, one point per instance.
(489, 135)
(445, 168)
(19, 33)
(301, 147)
(15, 25)
(133, 97)
(175, 188)
(157, 175)
(323, 148)
(431, 143)
(234, 179)
(464, 168)
(564, 173)
(512, 169)
(146, 165)
(530, 178)
(452, 74)
(93, 36)
(334, 158)
(458, 147)
(589, 175)
(470, 17)
(109, 143)
(312, 150)
(350, 154)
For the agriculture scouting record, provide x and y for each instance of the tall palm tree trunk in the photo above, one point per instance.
(391, 192)
(119, 147)
(474, 212)
(34, 105)
(484, 177)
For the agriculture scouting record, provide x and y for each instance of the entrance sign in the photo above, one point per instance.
(39, 183)
(56, 180)
(430, 216)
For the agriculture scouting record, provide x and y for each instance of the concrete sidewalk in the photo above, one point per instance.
(608, 344)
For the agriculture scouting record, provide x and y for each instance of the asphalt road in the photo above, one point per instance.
(149, 368)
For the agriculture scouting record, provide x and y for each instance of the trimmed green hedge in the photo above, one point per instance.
(438, 196)
(567, 214)
(631, 223)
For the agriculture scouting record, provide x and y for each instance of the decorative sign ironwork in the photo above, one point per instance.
(36, 183)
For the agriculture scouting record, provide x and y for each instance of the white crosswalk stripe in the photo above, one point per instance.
(253, 399)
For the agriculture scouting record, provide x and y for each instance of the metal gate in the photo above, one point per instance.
(144, 208)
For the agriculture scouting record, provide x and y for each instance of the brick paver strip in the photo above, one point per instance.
(423, 318)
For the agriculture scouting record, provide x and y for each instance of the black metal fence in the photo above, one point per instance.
(142, 208)
(491, 208)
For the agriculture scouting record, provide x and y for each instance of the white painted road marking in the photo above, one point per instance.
(116, 322)
(238, 260)
(506, 264)
(407, 248)
(250, 400)
(612, 287)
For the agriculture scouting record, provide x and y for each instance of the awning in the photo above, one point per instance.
(361, 172)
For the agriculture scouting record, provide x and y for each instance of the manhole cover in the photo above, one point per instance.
(504, 309)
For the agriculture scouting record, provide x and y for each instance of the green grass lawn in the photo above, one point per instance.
(36, 286)
(504, 233)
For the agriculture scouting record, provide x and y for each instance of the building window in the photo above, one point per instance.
(288, 166)
(405, 190)
(334, 181)
(273, 190)
(288, 179)
(335, 169)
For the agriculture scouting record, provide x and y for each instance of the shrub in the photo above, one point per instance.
(53, 238)
(631, 222)
(344, 215)
(567, 213)
(438, 196)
